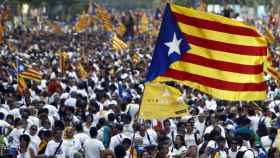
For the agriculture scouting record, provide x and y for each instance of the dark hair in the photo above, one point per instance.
(24, 137)
(79, 127)
(273, 131)
(120, 151)
(93, 132)
(17, 121)
(126, 141)
(59, 124)
(2, 116)
(111, 117)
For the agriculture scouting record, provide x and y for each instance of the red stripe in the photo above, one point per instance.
(214, 83)
(24, 74)
(33, 72)
(273, 72)
(215, 25)
(221, 65)
(225, 47)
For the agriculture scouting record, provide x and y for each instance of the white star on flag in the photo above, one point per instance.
(174, 45)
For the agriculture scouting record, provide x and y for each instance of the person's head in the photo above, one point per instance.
(117, 128)
(273, 153)
(120, 151)
(2, 116)
(33, 130)
(79, 128)
(181, 128)
(93, 132)
(69, 132)
(166, 125)
(108, 154)
(18, 122)
(192, 151)
(189, 126)
(24, 141)
(179, 140)
(272, 133)
(213, 119)
(201, 117)
(57, 134)
(142, 129)
(126, 143)
(163, 149)
(89, 118)
(234, 144)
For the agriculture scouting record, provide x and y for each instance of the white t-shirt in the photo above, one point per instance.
(266, 142)
(254, 122)
(35, 142)
(93, 147)
(190, 138)
(27, 154)
(116, 140)
(52, 147)
(14, 135)
(178, 152)
(82, 137)
(72, 146)
(150, 133)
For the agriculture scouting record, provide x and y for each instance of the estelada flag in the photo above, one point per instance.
(161, 101)
(216, 55)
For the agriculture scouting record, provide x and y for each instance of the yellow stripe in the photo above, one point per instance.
(217, 74)
(30, 78)
(120, 42)
(225, 56)
(221, 94)
(207, 16)
(116, 45)
(222, 36)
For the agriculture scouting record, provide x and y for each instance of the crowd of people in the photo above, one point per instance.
(67, 116)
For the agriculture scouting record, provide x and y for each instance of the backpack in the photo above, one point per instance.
(240, 154)
(262, 129)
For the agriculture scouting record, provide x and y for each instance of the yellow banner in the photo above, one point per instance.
(162, 101)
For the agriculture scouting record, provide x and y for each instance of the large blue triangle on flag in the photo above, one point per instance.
(170, 46)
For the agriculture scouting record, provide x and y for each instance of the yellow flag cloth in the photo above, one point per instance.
(21, 86)
(82, 72)
(161, 101)
(118, 43)
(144, 23)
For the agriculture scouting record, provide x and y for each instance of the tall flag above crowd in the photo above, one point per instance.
(216, 55)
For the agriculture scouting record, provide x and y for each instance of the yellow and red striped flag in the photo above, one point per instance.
(144, 24)
(21, 86)
(83, 23)
(103, 14)
(118, 44)
(216, 55)
(26, 72)
(62, 61)
(82, 72)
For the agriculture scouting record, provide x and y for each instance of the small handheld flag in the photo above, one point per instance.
(161, 101)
